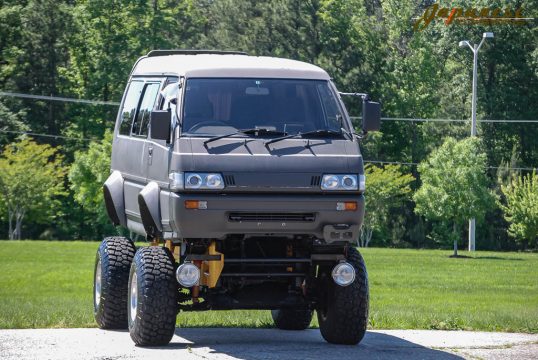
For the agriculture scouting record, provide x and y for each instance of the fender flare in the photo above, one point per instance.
(114, 201)
(148, 202)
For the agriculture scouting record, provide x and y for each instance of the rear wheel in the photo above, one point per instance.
(343, 312)
(153, 297)
(111, 274)
(292, 319)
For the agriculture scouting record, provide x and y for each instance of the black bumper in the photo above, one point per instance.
(266, 214)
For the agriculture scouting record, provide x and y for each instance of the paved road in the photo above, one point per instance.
(235, 343)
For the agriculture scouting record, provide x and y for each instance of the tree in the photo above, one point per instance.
(87, 175)
(31, 183)
(454, 185)
(10, 122)
(387, 188)
(521, 209)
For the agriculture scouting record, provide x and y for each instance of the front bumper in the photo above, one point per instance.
(266, 214)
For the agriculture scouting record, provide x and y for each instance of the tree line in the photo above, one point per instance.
(85, 49)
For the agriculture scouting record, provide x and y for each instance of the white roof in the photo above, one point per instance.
(227, 65)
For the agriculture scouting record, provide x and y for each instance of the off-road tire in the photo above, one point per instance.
(292, 319)
(114, 257)
(343, 316)
(154, 320)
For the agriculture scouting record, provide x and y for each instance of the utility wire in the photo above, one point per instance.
(366, 161)
(449, 120)
(113, 103)
(98, 102)
(416, 164)
(47, 135)
(58, 98)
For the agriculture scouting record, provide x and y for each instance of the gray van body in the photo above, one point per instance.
(269, 189)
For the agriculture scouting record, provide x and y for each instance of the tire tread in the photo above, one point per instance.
(116, 253)
(347, 316)
(158, 297)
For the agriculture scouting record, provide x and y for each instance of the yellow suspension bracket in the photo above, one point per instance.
(174, 250)
(289, 253)
(211, 269)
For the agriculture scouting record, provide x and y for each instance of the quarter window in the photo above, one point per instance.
(129, 106)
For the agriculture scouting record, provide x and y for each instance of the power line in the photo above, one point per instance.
(366, 161)
(47, 135)
(113, 103)
(58, 98)
(416, 164)
(448, 120)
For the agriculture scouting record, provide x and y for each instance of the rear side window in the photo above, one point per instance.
(129, 106)
(140, 125)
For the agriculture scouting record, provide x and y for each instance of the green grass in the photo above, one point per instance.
(49, 284)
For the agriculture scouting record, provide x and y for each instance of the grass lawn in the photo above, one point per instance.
(49, 284)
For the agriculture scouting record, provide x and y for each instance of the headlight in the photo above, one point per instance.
(342, 182)
(330, 182)
(191, 180)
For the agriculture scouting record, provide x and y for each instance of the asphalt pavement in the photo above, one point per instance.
(238, 343)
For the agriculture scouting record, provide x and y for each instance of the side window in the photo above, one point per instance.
(140, 124)
(168, 90)
(330, 107)
(129, 106)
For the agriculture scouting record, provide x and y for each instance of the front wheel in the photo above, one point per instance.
(343, 313)
(153, 297)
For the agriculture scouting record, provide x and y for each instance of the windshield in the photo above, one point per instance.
(281, 106)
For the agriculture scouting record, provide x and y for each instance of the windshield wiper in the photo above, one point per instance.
(319, 132)
(253, 131)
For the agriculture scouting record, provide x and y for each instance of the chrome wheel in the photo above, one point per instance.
(133, 297)
(97, 284)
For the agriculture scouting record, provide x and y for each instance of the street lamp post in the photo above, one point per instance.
(474, 48)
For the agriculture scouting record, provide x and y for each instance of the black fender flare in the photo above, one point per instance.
(114, 201)
(148, 202)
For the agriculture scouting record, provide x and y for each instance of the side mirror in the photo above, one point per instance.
(371, 116)
(159, 124)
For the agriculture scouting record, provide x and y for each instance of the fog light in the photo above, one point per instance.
(187, 275)
(343, 274)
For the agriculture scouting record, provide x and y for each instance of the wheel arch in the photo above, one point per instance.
(148, 202)
(114, 198)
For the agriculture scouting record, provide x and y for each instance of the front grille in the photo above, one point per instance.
(315, 181)
(265, 216)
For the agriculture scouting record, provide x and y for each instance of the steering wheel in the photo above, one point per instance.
(207, 123)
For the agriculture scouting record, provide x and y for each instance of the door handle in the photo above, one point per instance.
(150, 155)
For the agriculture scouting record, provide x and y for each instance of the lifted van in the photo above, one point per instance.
(245, 176)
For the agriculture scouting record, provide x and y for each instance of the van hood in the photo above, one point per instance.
(248, 164)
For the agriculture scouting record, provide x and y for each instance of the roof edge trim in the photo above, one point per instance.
(154, 53)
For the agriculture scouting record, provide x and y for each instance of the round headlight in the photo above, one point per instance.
(187, 274)
(193, 181)
(349, 182)
(214, 181)
(343, 274)
(329, 182)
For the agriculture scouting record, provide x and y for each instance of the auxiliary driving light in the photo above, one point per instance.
(343, 274)
(187, 275)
